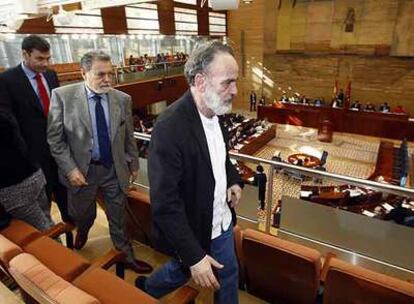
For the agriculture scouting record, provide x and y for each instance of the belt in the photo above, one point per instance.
(96, 162)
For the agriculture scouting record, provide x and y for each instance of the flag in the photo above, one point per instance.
(348, 95)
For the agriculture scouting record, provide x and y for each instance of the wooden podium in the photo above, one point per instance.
(325, 131)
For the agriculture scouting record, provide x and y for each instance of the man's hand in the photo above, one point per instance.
(76, 178)
(234, 195)
(202, 273)
(132, 178)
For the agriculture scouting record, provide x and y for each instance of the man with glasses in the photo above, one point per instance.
(90, 132)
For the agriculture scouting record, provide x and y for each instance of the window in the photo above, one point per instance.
(185, 21)
(142, 19)
(83, 22)
(217, 24)
(193, 2)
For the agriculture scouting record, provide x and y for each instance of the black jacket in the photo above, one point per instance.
(182, 183)
(14, 162)
(17, 94)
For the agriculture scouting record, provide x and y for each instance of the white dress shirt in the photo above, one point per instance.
(217, 151)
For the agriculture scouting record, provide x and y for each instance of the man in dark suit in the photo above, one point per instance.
(193, 185)
(260, 181)
(25, 90)
(253, 99)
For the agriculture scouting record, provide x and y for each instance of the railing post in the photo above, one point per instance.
(269, 197)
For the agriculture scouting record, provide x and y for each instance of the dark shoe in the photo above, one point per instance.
(139, 266)
(140, 283)
(80, 240)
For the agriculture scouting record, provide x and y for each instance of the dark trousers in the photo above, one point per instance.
(82, 206)
(58, 192)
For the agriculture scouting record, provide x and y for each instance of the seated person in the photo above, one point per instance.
(369, 107)
(399, 110)
(304, 100)
(284, 98)
(336, 103)
(262, 101)
(385, 108)
(356, 106)
(318, 102)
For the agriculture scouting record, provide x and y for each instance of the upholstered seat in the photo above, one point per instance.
(62, 261)
(279, 271)
(20, 232)
(44, 285)
(348, 284)
(8, 250)
(108, 288)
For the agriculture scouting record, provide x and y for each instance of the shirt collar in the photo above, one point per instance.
(29, 73)
(90, 94)
(208, 121)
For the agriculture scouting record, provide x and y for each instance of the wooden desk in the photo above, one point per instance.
(309, 161)
(389, 125)
(257, 143)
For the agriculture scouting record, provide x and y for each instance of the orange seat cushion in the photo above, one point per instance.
(42, 284)
(109, 289)
(20, 232)
(62, 261)
(8, 250)
(346, 284)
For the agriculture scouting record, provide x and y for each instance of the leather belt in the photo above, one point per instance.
(96, 162)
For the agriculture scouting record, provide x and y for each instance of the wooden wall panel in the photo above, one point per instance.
(148, 92)
(403, 36)
(166, 17)
(247, 22)
(374, 79)
(114, 20)
(305, 46)
(202, 16)
(37, 26)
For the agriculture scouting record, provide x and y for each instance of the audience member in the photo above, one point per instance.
(356, 106)
(385, 108)
(399, 110)
(369, 107)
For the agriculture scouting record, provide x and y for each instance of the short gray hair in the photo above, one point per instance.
(88, 58)
(201, 57)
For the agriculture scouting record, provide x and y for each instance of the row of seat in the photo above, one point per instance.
(280, 271)
(48, 272)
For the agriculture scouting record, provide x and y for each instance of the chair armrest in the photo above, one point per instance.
(112, 257)
(182, 295)
(328, 257)
(58, 229)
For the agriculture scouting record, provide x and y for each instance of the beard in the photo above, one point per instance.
(103, 89)
(214, 102)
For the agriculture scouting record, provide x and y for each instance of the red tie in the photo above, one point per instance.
(44, 97)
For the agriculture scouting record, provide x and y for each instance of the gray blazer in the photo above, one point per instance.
(69, 132)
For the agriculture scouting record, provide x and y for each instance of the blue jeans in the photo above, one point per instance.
(173, 274)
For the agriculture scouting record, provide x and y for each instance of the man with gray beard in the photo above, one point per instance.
(90, 134)
(193, 185)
